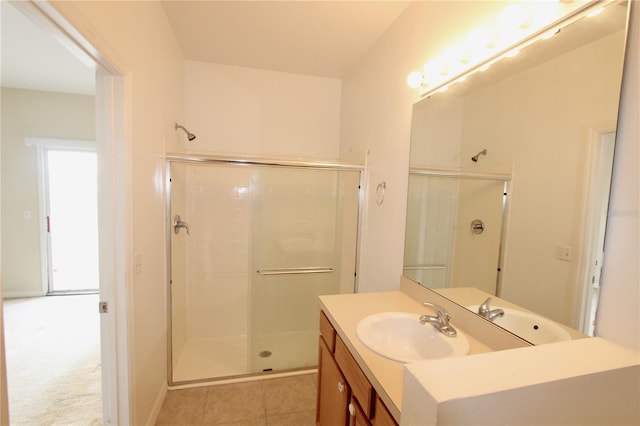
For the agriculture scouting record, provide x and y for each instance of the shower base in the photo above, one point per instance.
(210, 358)
(288, 351)
(225, 357)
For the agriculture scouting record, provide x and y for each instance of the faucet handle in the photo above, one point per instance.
(485, 308)
(442, 313)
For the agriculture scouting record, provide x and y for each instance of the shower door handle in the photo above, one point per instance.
(178, 223)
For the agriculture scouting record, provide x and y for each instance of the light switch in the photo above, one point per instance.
(137, 260)
(564, 253)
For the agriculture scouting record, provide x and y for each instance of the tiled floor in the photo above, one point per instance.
(286, 401)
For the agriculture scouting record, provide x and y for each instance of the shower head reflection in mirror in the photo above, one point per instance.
(536, 117)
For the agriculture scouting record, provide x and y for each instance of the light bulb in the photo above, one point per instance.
(515, 16)
(414, 79)
(432, 71)
(595, 12)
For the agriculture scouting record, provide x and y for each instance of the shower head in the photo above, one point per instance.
(475, 157)
(190, 135)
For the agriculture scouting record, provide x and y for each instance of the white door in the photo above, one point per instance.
(72, 220)
(598, 206)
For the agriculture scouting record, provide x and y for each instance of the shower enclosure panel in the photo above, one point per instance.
(443, 248)
(301, 221)
(209, 275)
(430, 226)
(251, 248)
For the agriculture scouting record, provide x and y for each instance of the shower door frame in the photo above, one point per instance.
(242, 162)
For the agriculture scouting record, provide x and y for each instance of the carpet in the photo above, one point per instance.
(53, 360)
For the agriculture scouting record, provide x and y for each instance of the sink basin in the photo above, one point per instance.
(400, 336)
(531, 327)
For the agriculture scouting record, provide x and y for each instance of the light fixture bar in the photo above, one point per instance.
(416, 79)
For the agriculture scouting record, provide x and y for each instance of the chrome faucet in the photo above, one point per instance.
(440, 322)
(485, 311)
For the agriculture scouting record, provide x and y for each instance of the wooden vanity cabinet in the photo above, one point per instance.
(345, 395)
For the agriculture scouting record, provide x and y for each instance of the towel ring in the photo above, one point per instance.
(380, 192)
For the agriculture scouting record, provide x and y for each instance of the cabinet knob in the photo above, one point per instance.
(352, 409)
(340, 387)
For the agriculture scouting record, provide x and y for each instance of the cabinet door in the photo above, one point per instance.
(333, 392)
(357, 416)
(382, 415)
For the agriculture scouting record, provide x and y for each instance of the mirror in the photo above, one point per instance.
(510, 172)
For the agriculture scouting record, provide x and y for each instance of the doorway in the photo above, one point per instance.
(70, 198)
(112, 144)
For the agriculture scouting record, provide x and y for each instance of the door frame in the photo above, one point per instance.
(113, 146)
(591, 239)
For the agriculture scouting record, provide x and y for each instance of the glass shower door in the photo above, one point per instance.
(454, 231)
(303, 236)
(252, 248)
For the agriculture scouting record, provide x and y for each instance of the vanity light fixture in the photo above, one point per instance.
(512, 53)
(595, 12)
(550, 34)
(517, 26)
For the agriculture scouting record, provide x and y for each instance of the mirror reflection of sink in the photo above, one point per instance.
(531, 327)
(400, 336)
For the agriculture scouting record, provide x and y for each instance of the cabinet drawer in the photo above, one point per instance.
(361, 389)
(327, 332)
(382, 416)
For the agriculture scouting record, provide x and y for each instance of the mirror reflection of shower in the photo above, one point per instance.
(475, 157)
(190, 135)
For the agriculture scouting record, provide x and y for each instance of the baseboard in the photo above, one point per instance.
(21, 294)
(157, 406)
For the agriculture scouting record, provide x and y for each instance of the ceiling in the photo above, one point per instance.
(32, 59)
(321, 38)
(314, 37)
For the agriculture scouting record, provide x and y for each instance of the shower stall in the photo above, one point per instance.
(454, 232)
(252, 244)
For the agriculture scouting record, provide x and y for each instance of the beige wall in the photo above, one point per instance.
(29, 113)
(619, 316)
(246, 111)
(141, 37)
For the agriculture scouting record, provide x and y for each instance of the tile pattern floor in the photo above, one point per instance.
(285, 401)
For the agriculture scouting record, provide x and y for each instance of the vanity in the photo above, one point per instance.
(501, 201)
(502, 380)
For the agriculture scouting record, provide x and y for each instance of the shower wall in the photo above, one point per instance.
(476, 256)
